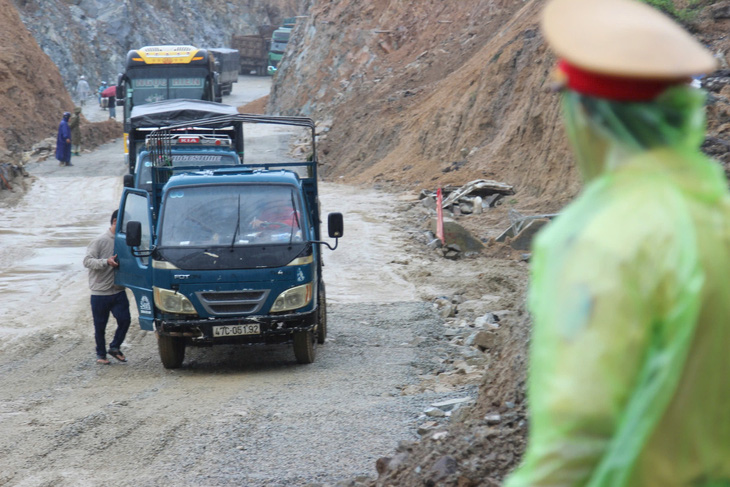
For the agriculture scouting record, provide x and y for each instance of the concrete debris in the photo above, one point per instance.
(493, 418)
(435, 244)
(488, 320)
(435, 412)
(440, 435)
(479, 187)
(427, 427)
(523, 229)
(451, 404)
(486, 340)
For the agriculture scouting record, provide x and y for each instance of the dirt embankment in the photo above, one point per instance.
(32, 93)
(428, 94)
(32, 101)
(433, 94)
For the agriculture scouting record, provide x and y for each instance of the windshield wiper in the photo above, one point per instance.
(296, 218)
(238, 223)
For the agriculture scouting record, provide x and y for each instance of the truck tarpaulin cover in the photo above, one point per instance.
(170, 112)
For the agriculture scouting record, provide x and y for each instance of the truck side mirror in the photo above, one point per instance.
(128, 180)
(335, 225)
(134, 234)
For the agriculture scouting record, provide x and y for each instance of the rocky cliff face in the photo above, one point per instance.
(92, 37)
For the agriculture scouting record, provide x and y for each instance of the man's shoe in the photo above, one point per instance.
(69, 164)
(117, 354)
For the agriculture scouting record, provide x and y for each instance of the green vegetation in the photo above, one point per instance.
(683, 15)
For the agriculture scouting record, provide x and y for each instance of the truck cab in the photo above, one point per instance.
(229, 255)
(187, 152)
(145, 119)
(279, 40)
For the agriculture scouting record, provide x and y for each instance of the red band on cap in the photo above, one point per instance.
(613, 87)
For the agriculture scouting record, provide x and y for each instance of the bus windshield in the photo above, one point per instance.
(149, 84)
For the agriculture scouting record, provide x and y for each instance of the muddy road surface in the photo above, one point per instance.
(232, 415)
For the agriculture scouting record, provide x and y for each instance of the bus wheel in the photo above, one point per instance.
(304, 347)
(172, 350)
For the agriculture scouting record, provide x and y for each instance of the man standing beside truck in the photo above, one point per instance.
(106, 297)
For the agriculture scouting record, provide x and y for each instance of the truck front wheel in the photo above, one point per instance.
(172, 351)
(304, 347)
(321, 315)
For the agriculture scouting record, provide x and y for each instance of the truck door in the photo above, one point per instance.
(135, 272)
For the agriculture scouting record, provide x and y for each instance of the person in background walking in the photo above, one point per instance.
(82, 90)
(112, 107)
(106, 297)
(63, 141)
(102, 87)
(75, 124)
(628, 378)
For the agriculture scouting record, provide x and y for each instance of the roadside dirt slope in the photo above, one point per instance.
(32, 95)
(429, 94)
(418, 95)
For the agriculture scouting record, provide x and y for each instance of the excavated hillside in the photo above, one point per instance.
(435, 93)
(31, 99)
(413, 96)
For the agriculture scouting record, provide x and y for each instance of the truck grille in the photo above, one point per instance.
(229, 303)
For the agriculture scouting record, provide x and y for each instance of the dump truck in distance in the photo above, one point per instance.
(254, 51)
(226, 62)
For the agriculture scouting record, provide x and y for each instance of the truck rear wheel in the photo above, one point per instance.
(321, 315)
(304, 347)
(172, 351)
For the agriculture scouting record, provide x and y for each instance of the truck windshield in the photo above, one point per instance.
(149, 84)
(231, 216)
(184, 159)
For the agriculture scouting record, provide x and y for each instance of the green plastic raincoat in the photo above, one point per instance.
(629, 380)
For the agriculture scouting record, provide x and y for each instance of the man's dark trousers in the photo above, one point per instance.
(101, 306)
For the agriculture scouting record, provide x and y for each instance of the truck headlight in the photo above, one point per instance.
(296, 297)
(173, 302)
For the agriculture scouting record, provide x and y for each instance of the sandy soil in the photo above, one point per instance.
(231, 415)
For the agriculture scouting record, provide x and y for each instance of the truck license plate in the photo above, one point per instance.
(236, 330)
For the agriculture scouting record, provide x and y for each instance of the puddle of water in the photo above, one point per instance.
(43, 241)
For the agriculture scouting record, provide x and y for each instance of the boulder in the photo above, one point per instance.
(457, 235)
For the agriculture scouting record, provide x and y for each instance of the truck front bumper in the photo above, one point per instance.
(273, 328)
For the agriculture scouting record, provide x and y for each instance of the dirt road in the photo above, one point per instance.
(231, 415)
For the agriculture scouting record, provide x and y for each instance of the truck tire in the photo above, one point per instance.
(304, 347)
(321, 315)
(172, 351)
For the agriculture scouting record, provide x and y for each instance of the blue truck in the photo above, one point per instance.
(188, 151)
(229, 255)
(149, 117)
